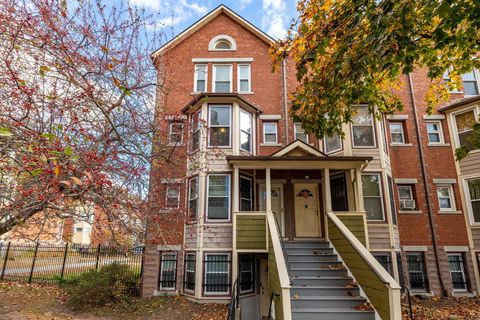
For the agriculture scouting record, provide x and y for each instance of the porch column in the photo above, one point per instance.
(268, 190)
(327, 197)
(359, 191)
(236, 189)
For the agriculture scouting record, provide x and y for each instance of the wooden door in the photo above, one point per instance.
(306, 210)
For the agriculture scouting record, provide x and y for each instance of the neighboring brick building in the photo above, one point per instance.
(223, 113)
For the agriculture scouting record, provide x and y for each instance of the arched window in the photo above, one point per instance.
(222, 43)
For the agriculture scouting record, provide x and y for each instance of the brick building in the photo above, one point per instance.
(255, 208)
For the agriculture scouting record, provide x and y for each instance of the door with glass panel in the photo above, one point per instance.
(277, 204)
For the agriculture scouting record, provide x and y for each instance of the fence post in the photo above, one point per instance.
(64, 261)
(98, 256)
(33, 263)
(5, 261)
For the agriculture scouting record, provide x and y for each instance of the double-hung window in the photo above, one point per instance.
(300, 133)
(218, 201)
(172, 197)
(405, 195)
(270, 133)
(200, 78)
(417, 272)
(474, 198)
(217, 273)
(195, 125)
(189, 276)
(434, 131)
(457, 272)
(175, 134)
(363, 129)
(245, 131)
(168, 271)
(332, 144)
(246, 199)
(445, 198)
(470, 83)
(193, 198)
(244, 78)
(222, 74)
(372, 196)
(464, 123)
(219, 122)
(397, 135)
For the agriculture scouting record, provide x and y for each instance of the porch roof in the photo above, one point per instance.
(299, 162)
(216, 97)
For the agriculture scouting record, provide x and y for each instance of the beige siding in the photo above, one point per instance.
(217, 236)
(191, 237)
(476, 238)
(470, 165)
(375, 153)
(378, 236)
(251, 231)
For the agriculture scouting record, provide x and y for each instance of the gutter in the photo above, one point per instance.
(285, 96)
(426, 185)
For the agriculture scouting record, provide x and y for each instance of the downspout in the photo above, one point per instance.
(425, 183)
(285, 96)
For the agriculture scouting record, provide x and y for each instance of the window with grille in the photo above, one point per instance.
(189, 274)
(385, 260)
(417, 271)
(457, 272)
(246, 273)
(168, 271)
(216, 280)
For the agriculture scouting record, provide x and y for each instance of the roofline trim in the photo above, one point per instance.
(459, 103)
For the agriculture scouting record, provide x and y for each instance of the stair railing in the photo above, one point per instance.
(233, 301)
(409, 298)
(282, 243)
(273, 295)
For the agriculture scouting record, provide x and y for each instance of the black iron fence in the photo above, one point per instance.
(45, 263)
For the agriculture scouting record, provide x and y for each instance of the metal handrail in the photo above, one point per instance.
(409, 297)
(273, 295)
(282, 243)
(233, 301)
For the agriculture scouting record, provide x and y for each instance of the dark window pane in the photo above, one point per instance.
(217, 208)
(220, 136)
(363, 136)
(470, 88)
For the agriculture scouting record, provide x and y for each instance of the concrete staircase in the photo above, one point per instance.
(321, 287)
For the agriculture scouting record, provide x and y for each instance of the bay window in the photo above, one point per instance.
(219, 122)
(464, 123)
(193, 198)
(222, 75)
(363, 133)
(474, 198)
(218, 200)
(195, 124)
(332, 144)
(372, 196)
(245, 131)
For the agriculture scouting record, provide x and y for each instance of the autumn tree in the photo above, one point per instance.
(349, 52)
(77, 92)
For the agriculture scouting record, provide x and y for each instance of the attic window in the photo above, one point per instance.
(222, 43)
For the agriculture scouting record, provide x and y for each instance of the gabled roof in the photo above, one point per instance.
(298, 148)
(204, 96)
(209, 17)
(459, 103)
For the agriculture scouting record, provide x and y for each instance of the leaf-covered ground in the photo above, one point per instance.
(445, 309)
(20, 301)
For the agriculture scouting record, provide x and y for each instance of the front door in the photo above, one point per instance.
(264, 297)
(277, 205)
(306, 210)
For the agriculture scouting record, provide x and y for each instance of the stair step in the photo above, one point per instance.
(309, 251)
(315, 272)
(338, 291)
(331, 314)
(315, 264)
(321, 281)
(327, 302)
(312, 257)
(307, 244)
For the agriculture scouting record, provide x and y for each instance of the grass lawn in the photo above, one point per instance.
(19, 301)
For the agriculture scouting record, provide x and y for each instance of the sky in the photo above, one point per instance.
(272, 16)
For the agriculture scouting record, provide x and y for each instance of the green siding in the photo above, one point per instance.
(356, 224)
(251, 232)
(372, 285)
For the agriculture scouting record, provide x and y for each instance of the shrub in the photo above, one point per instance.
(97, 288)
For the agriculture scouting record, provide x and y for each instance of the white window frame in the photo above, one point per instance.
(462, 267)
(220, 126)
(411, 198)
(214, 76)
(229, 196)
(239, 66)
(334, 150)
(374, 133)
(167, 197)
(439, 132)
(190, 182)
(251, 192)
(195, 128)
(380, 188)
(229, 265)
(295, 131)
(451, 197)
(275, 124)
(175, 271)
(447, 79)
(195, 77)
(222, 37)
(390, 130)
(468, 199)
(476, 74)
(250, 134)
(454, 120)
(190, 271)
(252, 271)
(171, 124)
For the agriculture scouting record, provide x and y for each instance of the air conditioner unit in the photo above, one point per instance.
(406, 204)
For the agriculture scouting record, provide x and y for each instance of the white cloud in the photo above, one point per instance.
(243, 3)
(150, 4)
(275, 17)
